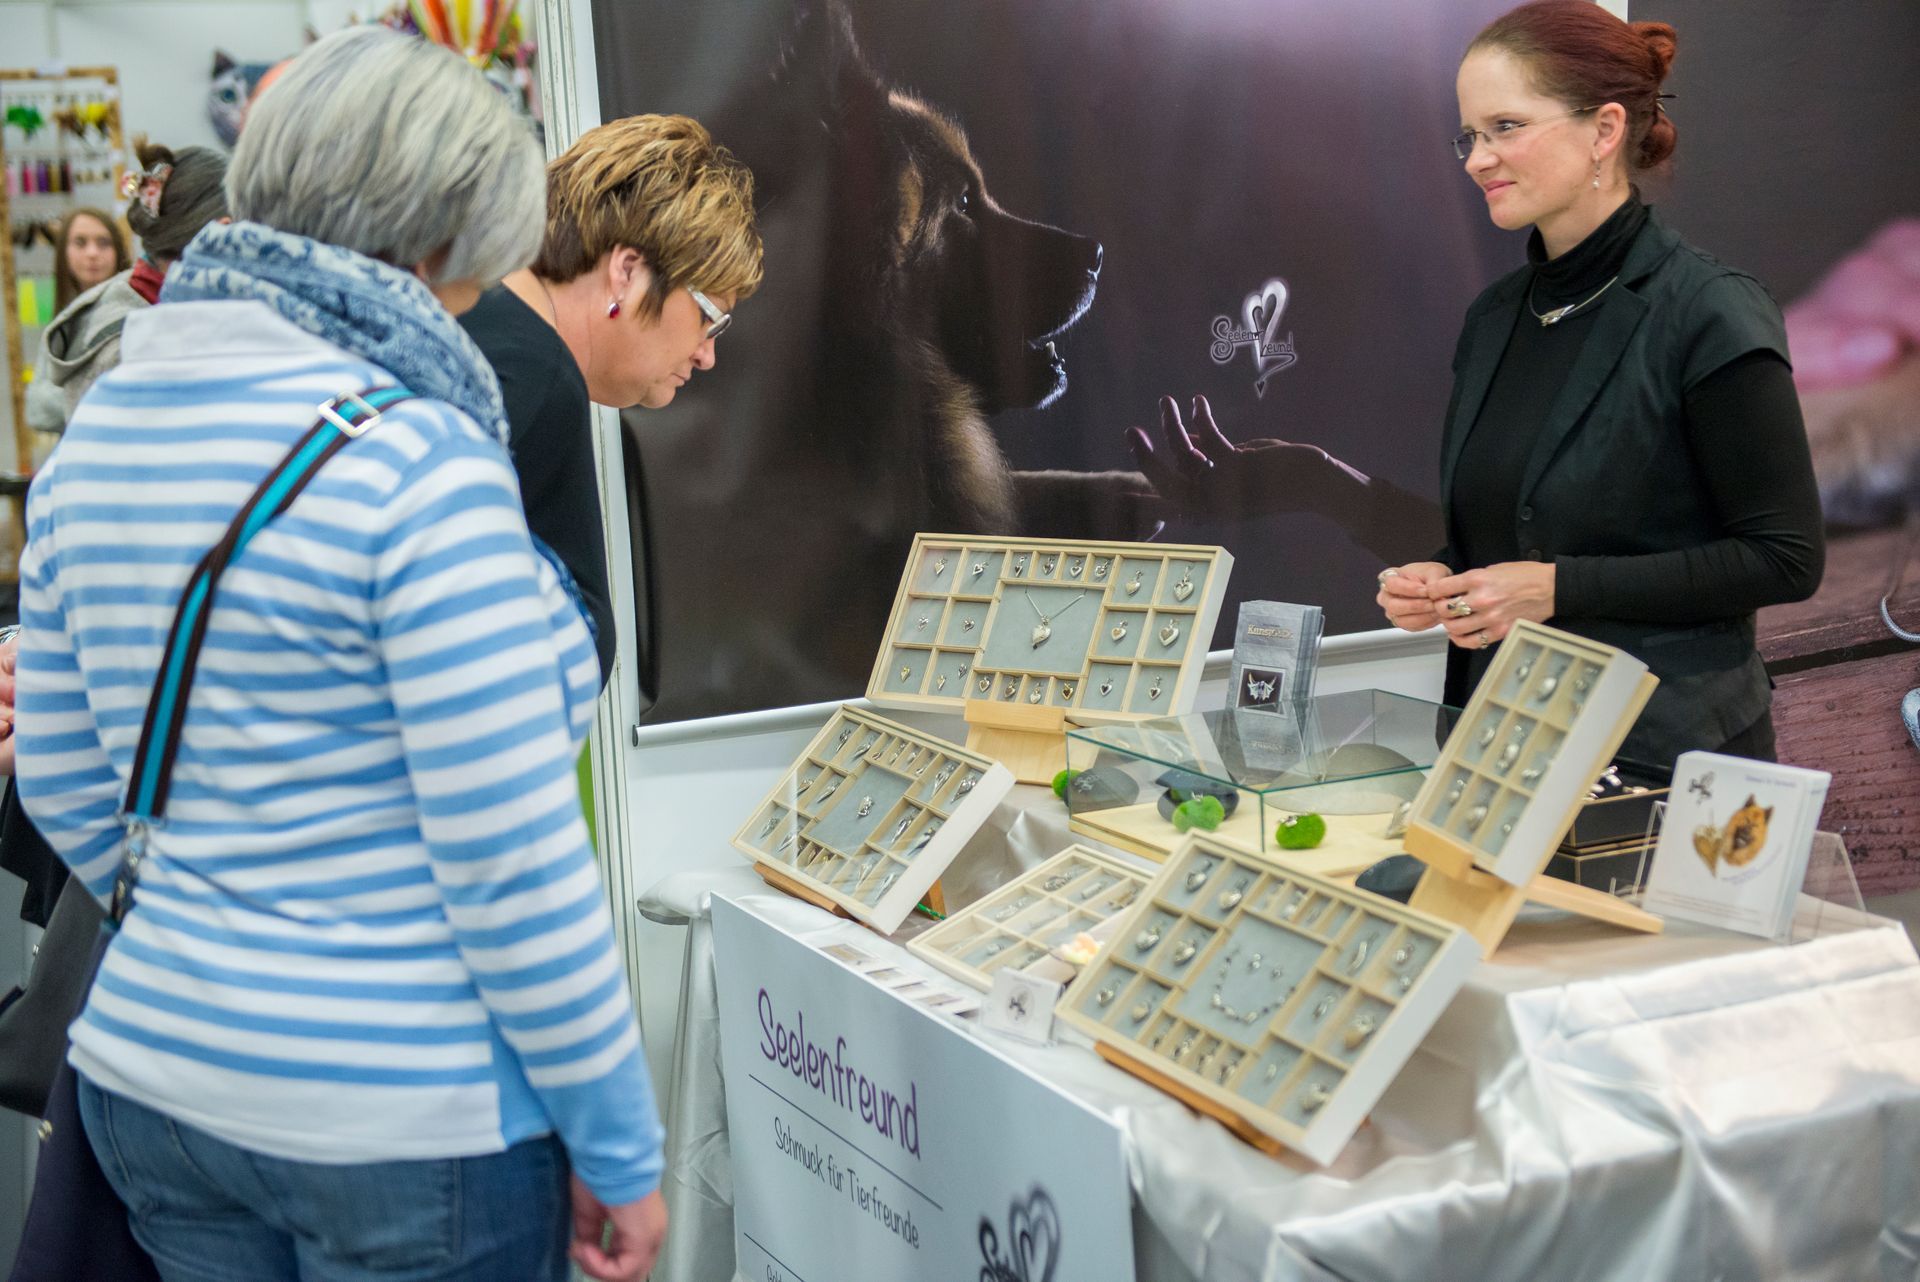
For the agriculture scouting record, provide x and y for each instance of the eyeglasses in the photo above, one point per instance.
(717, 320)
(1463, 145)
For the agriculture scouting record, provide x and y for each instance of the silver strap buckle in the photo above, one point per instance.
(331, 412)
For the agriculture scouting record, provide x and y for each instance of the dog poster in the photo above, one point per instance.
(998, 233)
(1734, 845)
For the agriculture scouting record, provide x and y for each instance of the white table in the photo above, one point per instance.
(1594, 1105)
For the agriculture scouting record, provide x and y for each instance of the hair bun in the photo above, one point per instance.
(150, 154)
(1661, 44)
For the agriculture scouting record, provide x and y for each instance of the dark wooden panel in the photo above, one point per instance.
(1841, 622)
(1845, 719)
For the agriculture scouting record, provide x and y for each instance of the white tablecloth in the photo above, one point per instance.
(1693, 1106)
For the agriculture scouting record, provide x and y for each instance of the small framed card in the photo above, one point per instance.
(1276, 653)
(1733, 851)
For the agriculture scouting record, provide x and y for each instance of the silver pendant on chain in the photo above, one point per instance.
(1169, 634)
(1133, 584)
(1041, 631)
(1184, 588)
(940, 567)
(1118, 631)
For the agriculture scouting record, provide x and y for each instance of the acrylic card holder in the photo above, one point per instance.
(868, 818)
(1542, 725)
(1027, 922)
(1282, 1003)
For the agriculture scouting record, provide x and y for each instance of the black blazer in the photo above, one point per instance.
(1611, 473)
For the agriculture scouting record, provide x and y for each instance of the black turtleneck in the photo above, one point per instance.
(1537, 361)
(1744, 433)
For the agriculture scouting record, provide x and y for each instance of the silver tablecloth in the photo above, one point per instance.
(1694, 1106)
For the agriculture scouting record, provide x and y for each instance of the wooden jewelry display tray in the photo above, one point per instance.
(870, 816)
(1105, 631)
(1279, 1002)
(1544, 722)
(1077, 891)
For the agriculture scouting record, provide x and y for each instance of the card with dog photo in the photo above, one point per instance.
(1733, 849)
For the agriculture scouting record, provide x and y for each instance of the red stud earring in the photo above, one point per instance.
(613, 309)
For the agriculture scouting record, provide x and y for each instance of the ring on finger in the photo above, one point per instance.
(1458, 608)
(1486, 638)
(1391, 571)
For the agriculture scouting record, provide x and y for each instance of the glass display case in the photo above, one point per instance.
(1356, 759)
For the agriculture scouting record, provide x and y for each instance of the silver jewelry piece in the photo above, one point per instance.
(1260, 691)
(1010, 689)
(1100, 569)
(1324, 1005)
(1118, 631)
(1154, 691)
(900, 829)
(1547, 687)
(1057, 881)
(979, 568)
(1231, 900)
(921, 626)
(1106, 687)
(773, 821)
(1476, 816)
(966, 785)
(1292, 909)
(831, 789)
(906, 672)
(1133, 584)
(1140, 1012)
(1401, 956)
(940, 567)
(1036, 694)
(984, 684)
(1020, 566)
(1184, 953)
(966, 625)
(1066, 691)
(841, 742)
(1360, 952)
(1184, 588)
(1488, 735)
(866, 808)
(1316, 1095)
(1146, 939)
(1073, 567)
(1048, 567)
(1105, 996)
(1169, 634)
(1528, 778)
(1198, 877)
(940, 682)
(1358, 1031)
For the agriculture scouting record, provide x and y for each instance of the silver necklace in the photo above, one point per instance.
(1559, 314)
(1044, 629)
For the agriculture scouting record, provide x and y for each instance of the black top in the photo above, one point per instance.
(1650, 447)
(551, 423)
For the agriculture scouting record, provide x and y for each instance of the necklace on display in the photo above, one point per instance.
(1044, 629)
(1252, 1014)
(1559, 314)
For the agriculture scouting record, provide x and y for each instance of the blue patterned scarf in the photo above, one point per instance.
(376, 312)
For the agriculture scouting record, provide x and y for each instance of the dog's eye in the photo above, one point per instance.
(965, 200)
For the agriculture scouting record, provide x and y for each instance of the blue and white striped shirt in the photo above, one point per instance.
(370, 928)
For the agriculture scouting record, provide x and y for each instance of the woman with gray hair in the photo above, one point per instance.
(366, 1011)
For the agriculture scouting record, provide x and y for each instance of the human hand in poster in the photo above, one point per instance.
(1855, 340)
(1198, 470)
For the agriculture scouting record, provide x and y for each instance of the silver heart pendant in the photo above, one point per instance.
(1118, 632)
(1169, 634)
(1040, 634)
(1183, 589)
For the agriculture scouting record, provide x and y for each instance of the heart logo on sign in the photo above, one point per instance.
(1033, 1242)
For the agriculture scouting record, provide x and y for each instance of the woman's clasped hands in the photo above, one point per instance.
(1477, 608)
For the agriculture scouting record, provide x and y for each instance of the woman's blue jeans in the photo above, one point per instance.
(210, 1212)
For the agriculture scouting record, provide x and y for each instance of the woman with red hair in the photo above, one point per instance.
(1623, 453)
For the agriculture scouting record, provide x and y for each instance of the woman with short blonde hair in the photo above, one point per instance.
(648, 247)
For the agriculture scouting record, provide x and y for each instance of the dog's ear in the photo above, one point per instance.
(221, 62)
(821, 72)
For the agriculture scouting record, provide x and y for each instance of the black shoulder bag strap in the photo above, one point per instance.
(341, 420)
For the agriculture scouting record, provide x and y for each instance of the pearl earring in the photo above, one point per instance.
(613, 308)
(1596, 175)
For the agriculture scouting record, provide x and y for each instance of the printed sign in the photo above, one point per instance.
(875, 1142)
